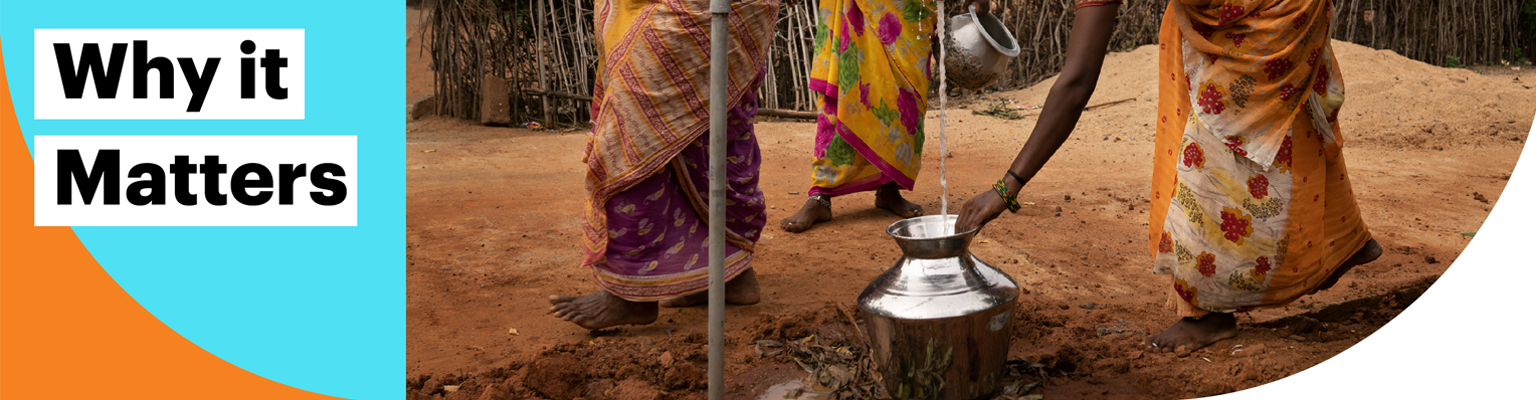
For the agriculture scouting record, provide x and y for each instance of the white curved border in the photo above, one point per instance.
(1469, 335)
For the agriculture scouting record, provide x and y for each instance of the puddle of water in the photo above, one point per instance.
(794, 390)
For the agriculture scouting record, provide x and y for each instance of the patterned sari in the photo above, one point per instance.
(871, 69)
(645, 225)
(1252, 205)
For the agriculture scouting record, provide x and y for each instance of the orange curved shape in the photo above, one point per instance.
(67, 330)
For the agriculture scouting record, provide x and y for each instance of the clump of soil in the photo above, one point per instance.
(600, 369)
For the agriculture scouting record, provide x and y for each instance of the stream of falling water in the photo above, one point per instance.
(943, 96)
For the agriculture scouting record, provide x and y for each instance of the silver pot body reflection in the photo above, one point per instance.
(977, 50)
(940, 320)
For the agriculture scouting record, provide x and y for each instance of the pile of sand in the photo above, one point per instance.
(1392, 101)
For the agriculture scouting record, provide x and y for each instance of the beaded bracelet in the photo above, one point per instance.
(1010, 200)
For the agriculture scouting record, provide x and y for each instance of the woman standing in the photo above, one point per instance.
(646, 224)
(1251, 200)
(871, 71)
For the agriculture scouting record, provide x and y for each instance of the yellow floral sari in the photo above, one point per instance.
(872, 70)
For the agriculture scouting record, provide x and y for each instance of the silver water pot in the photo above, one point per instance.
(977, 50)
(941, 319)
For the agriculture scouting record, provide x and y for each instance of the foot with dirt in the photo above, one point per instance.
(741, 290)
(602, 310)
(1370, 252)
(1190, 334)
(814, 211)
(888, 197)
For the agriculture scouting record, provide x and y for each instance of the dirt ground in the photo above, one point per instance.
(493, 230)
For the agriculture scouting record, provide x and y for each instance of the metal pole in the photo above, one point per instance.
(719, 36)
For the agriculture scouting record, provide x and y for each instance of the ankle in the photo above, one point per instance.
(824, 200)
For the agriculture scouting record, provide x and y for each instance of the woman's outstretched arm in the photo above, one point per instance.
(1091, 30)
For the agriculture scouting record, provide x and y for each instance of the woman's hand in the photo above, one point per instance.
(979, 211)
(983, 7)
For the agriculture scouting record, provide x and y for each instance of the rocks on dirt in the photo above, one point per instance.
(683, 376)
(492, 392)
(1304, 324)
(557, 377)
(494, 107)
(600, 389)
(634, 389)
(1479, 197)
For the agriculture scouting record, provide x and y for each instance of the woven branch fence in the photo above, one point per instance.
(1472, 32)
(546, 52)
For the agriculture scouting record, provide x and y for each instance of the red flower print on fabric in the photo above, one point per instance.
(1312, 57)
(1166, 244)
(1278, 67)
(1262, 267)
(1185, 292)
(1188, 86)
(1193, 156)
(1320, 85)
(1287, 92)
(1258, 186)
(1236, 38)
(1333, 116)
(1210, 100)
(1300, 21)
(1206, 263)
(1236, 144)
(1230, 12)
(1236, 225)
(1283, 156)
(1205, 31)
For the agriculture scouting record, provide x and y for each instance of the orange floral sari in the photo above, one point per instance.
(1252, 205)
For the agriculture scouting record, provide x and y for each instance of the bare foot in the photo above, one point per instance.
(811, 213)
(1191, 334)
(1369, 253)
(741, 290)
(888, 197)
(602, 310)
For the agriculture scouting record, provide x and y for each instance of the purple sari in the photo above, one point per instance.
(658, 230)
